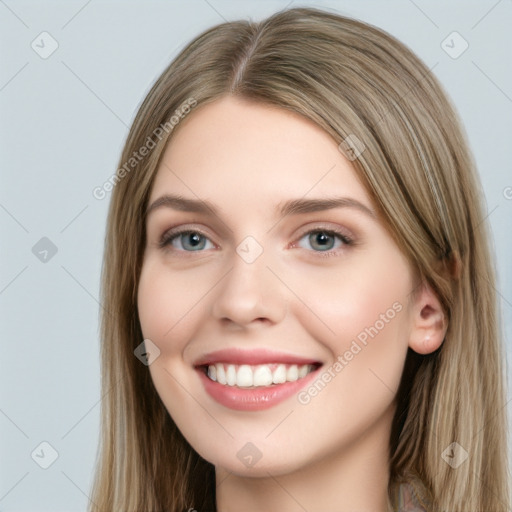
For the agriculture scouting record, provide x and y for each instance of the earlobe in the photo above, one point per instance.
(429, 323)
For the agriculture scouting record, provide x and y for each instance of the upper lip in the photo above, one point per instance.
(252, 357)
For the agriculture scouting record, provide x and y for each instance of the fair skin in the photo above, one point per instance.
(307, 295)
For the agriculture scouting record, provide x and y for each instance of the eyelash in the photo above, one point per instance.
(168, 237)
(343, 237)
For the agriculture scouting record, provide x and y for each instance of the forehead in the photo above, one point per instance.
(234, 149)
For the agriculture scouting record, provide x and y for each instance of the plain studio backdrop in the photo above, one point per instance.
(72, 76)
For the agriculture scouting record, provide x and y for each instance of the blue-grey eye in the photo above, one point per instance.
(322, 240)
(190, 241)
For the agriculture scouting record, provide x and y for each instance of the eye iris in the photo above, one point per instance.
(193, 241)
(321, 241)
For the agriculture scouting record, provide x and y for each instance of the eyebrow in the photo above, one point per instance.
(291, 207)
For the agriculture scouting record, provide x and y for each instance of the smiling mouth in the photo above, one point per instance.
(256, 376)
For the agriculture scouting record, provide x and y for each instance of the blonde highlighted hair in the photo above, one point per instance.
(351, 79)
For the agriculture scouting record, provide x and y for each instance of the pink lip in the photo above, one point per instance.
(253, 357)
(255, 399)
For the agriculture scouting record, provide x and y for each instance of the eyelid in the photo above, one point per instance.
(342, 232)
(169, 234)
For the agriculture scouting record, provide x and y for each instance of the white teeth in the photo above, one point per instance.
(292, 373)
(262, 376)
(280, 374)
(246, 376)
(231, 374)
(221, 374)
(212, 372)
(303, 371)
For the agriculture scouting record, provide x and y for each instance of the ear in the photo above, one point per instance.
(429, 323)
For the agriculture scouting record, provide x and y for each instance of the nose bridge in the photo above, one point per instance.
(249, 290)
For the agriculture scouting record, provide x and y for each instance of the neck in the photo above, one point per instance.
(351, 478)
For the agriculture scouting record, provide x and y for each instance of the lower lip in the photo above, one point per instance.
(255, 399)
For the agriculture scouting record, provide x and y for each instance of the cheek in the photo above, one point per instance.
(171, 309)
(169, 305)
(360, 313)
(370, 323)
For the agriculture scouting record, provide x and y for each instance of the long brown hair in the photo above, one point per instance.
(353, 80)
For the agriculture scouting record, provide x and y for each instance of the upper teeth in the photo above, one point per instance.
(261, 375)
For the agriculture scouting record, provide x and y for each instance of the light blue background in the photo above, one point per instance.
(63, 121)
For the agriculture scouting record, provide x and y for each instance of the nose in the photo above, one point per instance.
(249, 294)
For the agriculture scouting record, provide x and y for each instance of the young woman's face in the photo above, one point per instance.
(268, 263)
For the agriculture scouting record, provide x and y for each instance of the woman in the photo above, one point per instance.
(296, 234)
